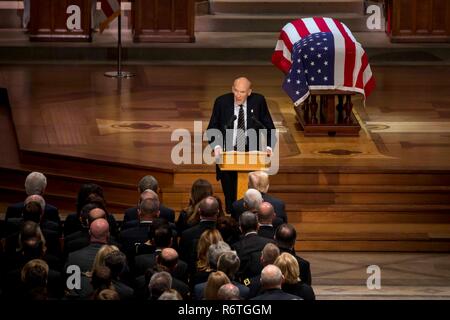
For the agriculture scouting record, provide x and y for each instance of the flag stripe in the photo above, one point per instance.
(339, 68)
(350, 56)
(321, 24)
(300, 26)
(311, 25)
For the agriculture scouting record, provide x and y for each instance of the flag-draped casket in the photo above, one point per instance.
(321, 54)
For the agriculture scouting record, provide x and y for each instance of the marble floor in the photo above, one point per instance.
(344, 275)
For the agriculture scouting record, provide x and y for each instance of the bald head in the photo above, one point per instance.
(168, 258)
(99, 230)
(96, 213)
(266, 213)
(242, 88)
(148, 194)
(209, 208)
(271, 277)
(228, 291)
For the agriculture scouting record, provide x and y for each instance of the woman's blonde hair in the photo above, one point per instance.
(99, 260)
(289, 267)
(207, 238)
(215, 281)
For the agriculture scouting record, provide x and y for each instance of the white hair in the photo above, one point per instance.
(35, 183)
(253, 199)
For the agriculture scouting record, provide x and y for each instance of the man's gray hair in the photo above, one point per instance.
(35, 183)
(253, 199)
(228, 291)
(148, 182)
(215, 250)
(271, 277)
(160, 281)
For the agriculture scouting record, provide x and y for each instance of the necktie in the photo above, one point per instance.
(240, 135)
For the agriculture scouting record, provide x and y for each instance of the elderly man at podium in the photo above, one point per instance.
(236, 115)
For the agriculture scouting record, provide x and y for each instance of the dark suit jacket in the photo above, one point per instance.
(50, 212)
(164, 212)
(84, 258)
(276, 294)
(277, 204)
(223, 113)
(249, 251)
(305, 270)
(188, 242)
(266, 231)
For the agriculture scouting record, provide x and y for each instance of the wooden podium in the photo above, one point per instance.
(243, 163)
(49, 20)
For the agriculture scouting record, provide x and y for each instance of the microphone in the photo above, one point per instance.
(230, 123)
(261, 126)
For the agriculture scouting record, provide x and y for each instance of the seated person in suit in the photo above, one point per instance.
(266, 216)
(35, 184)
(271, 282)
(259, 180)
(200, 189)
(251, 202)
(244, 114)
(148, 182)
(285, 237)
(250, 246)
(89, 193)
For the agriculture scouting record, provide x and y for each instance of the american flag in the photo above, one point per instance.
(321, 53)
(110, 9)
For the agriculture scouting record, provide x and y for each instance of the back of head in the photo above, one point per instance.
(35, 273)
(170, 294)
(209, 208)
(207, 238)
(252, 199)
(229, 263)
(248, 222)
(288, 265)
(107, 294)
(99, 260)
(259, 180)
(101, 278)
(149, 208)
(116, 261)
(32, 241)
(99, 230)
(86, 190)
(228, 228)
(168, 258)
(269, 254)
(266, 213)
(35, 183)
(32, 211)
(215, 250)
(215, 281)
(148, 182)
(161, 236)
(200, 189)
(159, 282)
(285, 236)
(228, 291)
(271, 277)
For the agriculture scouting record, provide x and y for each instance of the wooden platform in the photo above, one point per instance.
(388, 189)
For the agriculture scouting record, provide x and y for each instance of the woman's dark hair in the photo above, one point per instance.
(85, 191)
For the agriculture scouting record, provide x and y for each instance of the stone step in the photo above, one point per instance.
(229, 22)
(312, 7)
